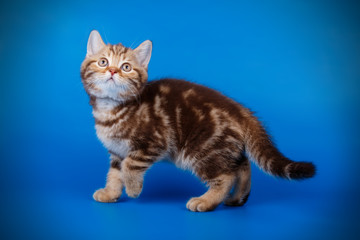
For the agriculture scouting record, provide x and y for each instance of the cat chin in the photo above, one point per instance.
(111, 96)
(107, 103)
(109, 90)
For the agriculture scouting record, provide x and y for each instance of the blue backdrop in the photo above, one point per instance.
(296, 63)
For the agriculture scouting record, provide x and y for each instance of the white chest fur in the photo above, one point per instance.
(106, 133)
(118, 146)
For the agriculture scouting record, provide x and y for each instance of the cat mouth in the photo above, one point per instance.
(112, 82)
(111, 79)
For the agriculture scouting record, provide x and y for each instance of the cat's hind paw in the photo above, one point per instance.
(106, 195)
(133, 188)
(235, 201)
(200, 204)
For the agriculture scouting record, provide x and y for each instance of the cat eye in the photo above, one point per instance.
(103, 62)
(126, 67)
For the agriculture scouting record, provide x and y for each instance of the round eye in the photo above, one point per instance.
(126, 67)
(103, 62)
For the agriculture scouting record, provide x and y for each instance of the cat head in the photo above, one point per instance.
(114, 71)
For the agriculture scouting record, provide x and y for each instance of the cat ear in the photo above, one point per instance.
(95, 43)
(143, 53)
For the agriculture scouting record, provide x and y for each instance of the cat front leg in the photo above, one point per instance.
(114, 184)
(132, 172)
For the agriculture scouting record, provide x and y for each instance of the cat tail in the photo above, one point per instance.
(263, 152)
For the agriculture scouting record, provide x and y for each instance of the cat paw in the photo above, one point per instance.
(200, 205)
(133, 188)
(233, 201)
(106, 195)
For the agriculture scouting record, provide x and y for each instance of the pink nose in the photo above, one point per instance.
(112, 71)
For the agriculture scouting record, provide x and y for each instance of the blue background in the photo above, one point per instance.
(296, 63)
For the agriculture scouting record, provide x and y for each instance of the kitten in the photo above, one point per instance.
(198, 128)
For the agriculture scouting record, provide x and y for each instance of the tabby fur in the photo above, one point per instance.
(199, 129)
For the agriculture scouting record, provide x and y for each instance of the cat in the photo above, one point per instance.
(197, 128)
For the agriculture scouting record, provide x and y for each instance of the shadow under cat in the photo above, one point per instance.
(166, 183)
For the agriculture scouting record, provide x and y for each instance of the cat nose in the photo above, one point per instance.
(112, 70)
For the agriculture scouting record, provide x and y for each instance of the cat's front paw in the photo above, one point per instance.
(133, 188)
(106, 195)
(200, 204)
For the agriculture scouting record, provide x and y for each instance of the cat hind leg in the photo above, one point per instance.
(218, 190)
(242, 186)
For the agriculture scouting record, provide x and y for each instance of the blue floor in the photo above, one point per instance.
(280, 210)
(295, 63)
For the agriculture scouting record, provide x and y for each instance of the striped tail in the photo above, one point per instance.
(262, 151)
